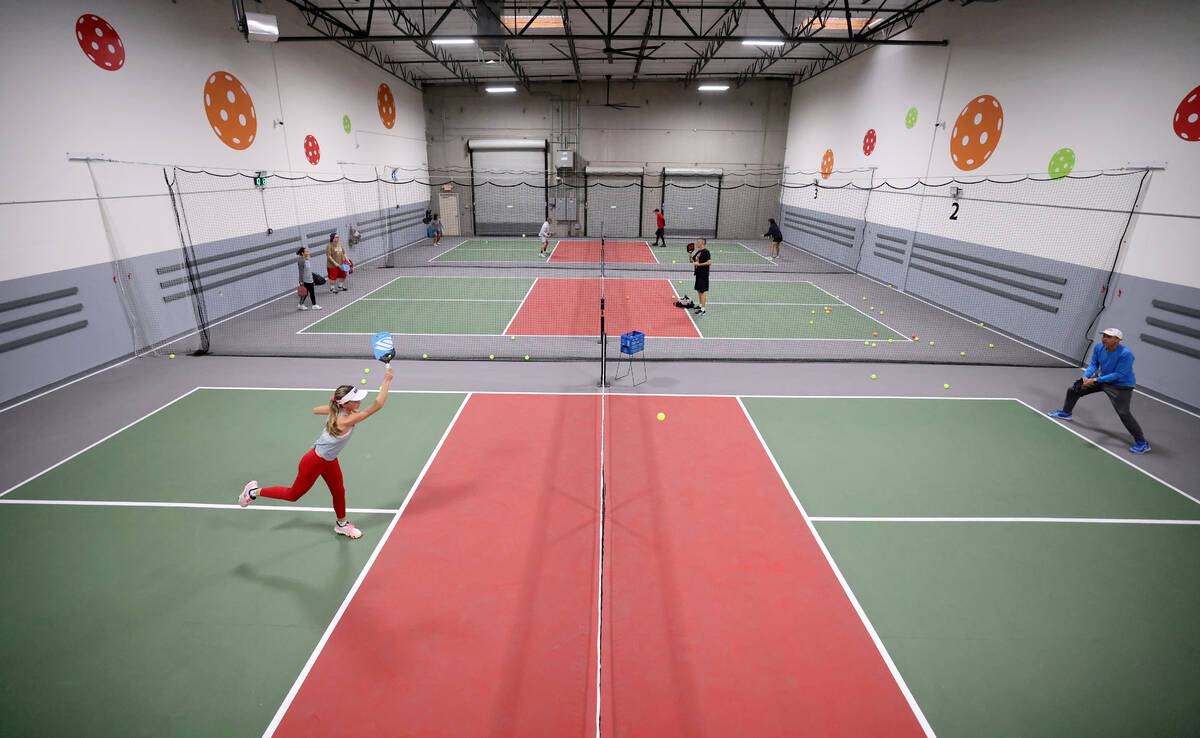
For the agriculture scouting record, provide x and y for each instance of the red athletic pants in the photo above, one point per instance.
(311, 467)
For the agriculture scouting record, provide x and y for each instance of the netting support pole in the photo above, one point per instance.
(603, 348)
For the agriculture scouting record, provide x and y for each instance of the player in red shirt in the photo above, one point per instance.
(661, 229)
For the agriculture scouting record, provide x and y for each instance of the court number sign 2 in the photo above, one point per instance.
(953, 211)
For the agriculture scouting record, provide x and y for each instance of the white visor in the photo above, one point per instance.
(354, 395)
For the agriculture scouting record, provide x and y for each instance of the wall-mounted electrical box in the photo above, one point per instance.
(564, 159)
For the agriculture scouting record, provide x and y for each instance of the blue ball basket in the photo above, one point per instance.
(633, 342)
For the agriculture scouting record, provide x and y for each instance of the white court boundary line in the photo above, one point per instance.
(869, 317)
(518, 310)
(853, 273)
(197, 506)
(765, 260)
(326, 316)
(688, 311)
(438, 299)
(1108, 521)
(862, 615)
(1110, 452)
(97, 443)
(312, 659)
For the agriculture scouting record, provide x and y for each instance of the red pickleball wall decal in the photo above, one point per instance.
(230, 110)
(312, 150)
(387, 106)
(100, 42)
(869, 142)
(1187, 117)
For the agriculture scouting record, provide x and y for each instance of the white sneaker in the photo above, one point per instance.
(316, 307)
(302, 307)
(332, 290)
(347, 530)
(244, 498)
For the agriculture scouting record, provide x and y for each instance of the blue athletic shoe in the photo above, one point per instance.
(1060, 415)
(1140, 447)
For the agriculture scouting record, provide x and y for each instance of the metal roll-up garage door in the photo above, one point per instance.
(509, 185)
(691, 198)
(614, 201)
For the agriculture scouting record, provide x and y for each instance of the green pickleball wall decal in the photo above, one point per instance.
(910, 118)
(1061, 163)
(346, 123)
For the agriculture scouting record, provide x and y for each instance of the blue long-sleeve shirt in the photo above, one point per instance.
(1111, 367)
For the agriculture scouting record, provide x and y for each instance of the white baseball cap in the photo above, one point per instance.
(1114, 332)
(353, 395)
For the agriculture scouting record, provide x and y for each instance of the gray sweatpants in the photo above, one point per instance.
(1118, 396)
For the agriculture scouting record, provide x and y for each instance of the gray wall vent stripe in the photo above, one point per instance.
(1166, 325)
(995, 278)
(851, 229)
(996, 264)
(831, 239)
(1170, 345)
(822, 229)
(286, 260)
(893, 239)
(893, 249)
(221, 283)
(889, 257)
(38, 337)
(228, 255)
(985, 288)
(35, 299)
(1160, 304)
(41, 317)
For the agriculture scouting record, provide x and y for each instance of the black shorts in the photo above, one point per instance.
(702, 283)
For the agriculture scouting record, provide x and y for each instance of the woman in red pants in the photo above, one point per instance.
(321, 460)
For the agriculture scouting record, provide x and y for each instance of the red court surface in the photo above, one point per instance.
(722, 616)
(478, 616)
(571, 307)
(628, 252)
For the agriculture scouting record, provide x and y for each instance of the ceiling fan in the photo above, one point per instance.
(608, 103)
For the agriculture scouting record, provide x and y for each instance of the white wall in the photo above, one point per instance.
(1102, 77)
(152, 110)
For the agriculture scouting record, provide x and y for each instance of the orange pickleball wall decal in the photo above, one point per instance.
(976, 132)
(827, 164)
(100, 42)
(230, 110)
(387, 106)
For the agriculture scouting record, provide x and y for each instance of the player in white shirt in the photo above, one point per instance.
(544, 234)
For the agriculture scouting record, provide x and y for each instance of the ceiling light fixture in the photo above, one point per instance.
(761, 42)
(500, 89)
(518, 22)
(452, 41)
(713, 88)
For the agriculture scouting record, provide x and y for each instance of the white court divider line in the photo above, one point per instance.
(1168, 404)
(518, 310)
(862, 615)
(688, 311)
(1118, 457)
(647, 247)
(430, 261)
(788, 304)
(312, 659)
(1101, 521)
(97, 443)
(610, 391)
(68, 384)
(764, 259)
(930, 304)
(197, 506)
(869, 317)
(301, 332)
(553, 248)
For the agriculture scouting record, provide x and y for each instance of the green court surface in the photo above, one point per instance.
(761, 309)
(205, 446)
(151, 621)
(723, 252)
(431, 305)
(496, 249)
(915, 457)
(1050, 629)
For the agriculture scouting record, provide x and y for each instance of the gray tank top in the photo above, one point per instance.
(328, 446)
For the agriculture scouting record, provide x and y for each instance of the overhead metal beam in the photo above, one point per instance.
(566, 19)
(733, 17)
(671, 4)
(403, 23)
(425, 38)
(645, 37)
(325, 24)
(506, 54)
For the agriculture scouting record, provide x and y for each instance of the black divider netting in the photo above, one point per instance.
(889, 272)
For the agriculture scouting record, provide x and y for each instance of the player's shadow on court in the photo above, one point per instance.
(311, 594)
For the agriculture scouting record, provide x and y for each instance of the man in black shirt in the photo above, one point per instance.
(703, 260)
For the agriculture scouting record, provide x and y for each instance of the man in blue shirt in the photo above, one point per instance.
(1111, 372)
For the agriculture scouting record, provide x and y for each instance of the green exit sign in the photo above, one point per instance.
(260, 179)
